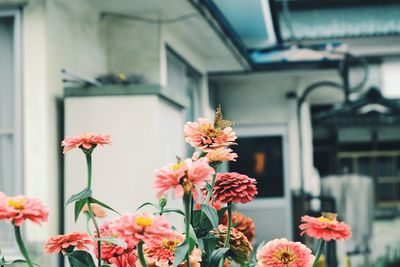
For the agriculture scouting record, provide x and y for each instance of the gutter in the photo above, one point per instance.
(241, 56)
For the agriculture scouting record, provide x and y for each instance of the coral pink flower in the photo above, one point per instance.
(183, 177)
(20, 208)
(111, 250)
(160, 253)
(204, 134)
(217, 155)
(132, 227)
(234, 187)
(125, 260)
(284, 253)
(98, 211)
(325, 227)
(66, 243)
(85, 140)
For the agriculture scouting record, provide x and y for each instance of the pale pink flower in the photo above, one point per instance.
(85, 140)
(204, 135)
(97, 210)
(183, 177)
(217, 155)
(68, 242)
(284, 253)
(325, 227)
(161, 253)
(124, 260)
(20, 208)
(132, 227)
(234, 187)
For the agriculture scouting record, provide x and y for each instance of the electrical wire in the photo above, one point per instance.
(149, 20)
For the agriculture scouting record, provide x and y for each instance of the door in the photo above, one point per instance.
(263, 155)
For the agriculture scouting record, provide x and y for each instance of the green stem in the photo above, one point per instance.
(21, 245)
(228, 232)
(141, 256)
(96, 226)
(320, 249)
(90, 211)
(89, 168)
(208, 193)
(229, 226)
(187, 198)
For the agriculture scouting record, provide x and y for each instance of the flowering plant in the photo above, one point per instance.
(213, 235)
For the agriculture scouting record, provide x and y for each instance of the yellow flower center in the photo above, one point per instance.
(87, 135)
(143, 221)
(177, 166)
(285, 256)
(170, 244)
(17, 203)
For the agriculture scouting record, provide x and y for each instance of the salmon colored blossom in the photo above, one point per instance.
(204, 134)
(325, 227)
(68, 242)
(85, 141)
(125, 260)
(110, 250)
(217, 155)
(20, 208)
(284, 253)
(97, 210)
(132, 227)
(234, 187)
(161, 253)
(183, 177)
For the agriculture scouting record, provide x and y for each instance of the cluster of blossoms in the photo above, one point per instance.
(149, 240)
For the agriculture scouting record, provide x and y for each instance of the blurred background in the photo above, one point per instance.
(312, 86)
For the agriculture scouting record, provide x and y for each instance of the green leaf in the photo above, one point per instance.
(113, 240)
(180, 254)
(5, 262)
(211, 213)
(174, 210)
(78, 208)
(147, 204)
(209, 243)
(81, 195)
(79, 258)
(98, 202)
(210, 191)
(192, 235)
(217, 255)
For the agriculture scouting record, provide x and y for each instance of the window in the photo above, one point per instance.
(185, 81)
(262, 159)
(10, 97)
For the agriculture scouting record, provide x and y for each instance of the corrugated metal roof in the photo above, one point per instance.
(349, 22)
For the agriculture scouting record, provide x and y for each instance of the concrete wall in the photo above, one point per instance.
(147, 133)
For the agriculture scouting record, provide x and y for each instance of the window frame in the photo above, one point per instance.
(16, 130)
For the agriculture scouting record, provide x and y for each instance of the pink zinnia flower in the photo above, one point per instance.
(183, 177)
(132, 227)
(325, 227)
(204, 134)
(217, 155)
(161, 253)
(234, 187)
(111, 250)
(85, 140)
(20, 208)
(284, 253)
(125, 260)
(66, 243)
